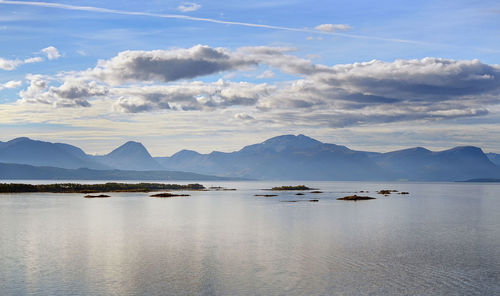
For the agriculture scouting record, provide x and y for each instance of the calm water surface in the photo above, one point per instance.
(442, 239)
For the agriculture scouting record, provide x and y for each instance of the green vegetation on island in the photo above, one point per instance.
(355, 197)
(95, 188)
(286, 188)
(386, 191)
(97, 196)
(167, 194)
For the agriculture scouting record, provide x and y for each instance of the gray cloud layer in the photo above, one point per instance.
(340, 95)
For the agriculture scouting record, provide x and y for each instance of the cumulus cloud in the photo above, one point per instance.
(188, 7)
(189, 96)
(402, 90)
(166, 65)
(432, 79)
(333, 27)
(10, 84)
(199, 60)
(72, 93)
(51, 52)
(339, 95)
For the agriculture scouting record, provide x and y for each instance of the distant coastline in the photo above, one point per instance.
(482, 180)
(10, 171)
(95, 188)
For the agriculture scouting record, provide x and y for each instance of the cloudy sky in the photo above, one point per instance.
(218, 75)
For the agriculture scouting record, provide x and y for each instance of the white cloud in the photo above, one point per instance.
(266, 74)
(166, 65)
(9, 65)
(51, 52)
(243, 116)
(10, 84)
(340, 95)
(33, 60)
(188, 7)
(189, 96)
(72, 93)
(333, 27)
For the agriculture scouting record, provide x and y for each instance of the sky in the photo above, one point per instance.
(219, 75)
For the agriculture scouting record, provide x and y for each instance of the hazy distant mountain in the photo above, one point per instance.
(27, 172)
(494, 157)
(285, 157)
(459, 163)
(301, 157)
(130, 156)
(27, 151)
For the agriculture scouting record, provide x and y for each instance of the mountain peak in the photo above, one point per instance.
(283, 142)
(132, 144)
(131, 155)
(186, 153)
(131, 147)
(292, 140)
(20, 139)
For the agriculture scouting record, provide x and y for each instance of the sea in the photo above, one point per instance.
(440, 239)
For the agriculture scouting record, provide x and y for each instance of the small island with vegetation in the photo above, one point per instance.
(167, 194)
(95, 188)
(97, 196)
(288, 188)
(356, 197)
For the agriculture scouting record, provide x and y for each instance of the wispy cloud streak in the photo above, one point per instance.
(200, 19)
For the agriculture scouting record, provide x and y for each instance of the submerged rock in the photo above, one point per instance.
(316, 191)
(266, 195)
(300, 193)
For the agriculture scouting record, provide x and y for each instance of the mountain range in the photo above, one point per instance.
(286, 157)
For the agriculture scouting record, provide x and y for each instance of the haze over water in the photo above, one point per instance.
(442, 239)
